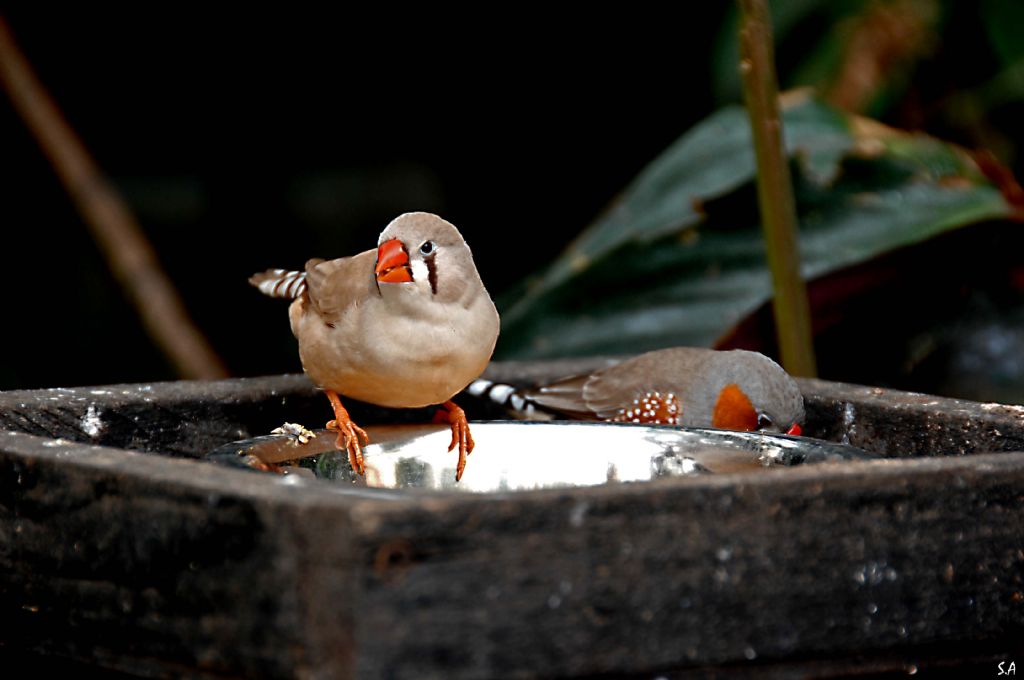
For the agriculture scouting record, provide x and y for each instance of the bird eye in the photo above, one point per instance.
(427, 248)
(764, 422)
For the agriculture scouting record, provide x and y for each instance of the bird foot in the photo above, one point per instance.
(349, 434)
(461, 436)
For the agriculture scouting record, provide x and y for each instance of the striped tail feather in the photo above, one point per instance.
(509, 397)
(280, 283)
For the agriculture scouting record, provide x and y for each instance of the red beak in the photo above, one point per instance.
(795, 430)
(392, 263)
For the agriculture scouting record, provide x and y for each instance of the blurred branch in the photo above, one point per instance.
(774, 189)
(882, 44)
(129, 255)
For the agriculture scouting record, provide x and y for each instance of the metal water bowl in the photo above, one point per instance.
(519, 456)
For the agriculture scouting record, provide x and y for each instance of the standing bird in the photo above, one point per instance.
(407, 325)
(687, 386)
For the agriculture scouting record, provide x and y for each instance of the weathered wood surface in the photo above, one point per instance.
(905, 424)
(189, 418)
(162, 565)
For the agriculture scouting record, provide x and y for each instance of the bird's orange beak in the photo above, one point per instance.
(392, 263)
(795, 430)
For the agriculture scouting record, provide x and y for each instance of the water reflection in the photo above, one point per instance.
(513, 456)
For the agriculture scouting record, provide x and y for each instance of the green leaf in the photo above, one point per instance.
(1003, 21)
(713, 159)
(679, 260)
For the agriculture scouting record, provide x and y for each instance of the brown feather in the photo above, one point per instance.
(564, 396)
(334, 285)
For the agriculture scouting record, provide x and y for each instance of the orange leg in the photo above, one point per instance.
(460, 434)
(348, 433)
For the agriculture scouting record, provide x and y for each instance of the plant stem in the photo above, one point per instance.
(775, 189)
(130, 256)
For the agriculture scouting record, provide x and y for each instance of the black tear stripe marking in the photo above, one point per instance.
(432, 272)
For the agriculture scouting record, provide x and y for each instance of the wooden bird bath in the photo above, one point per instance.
(119, 550)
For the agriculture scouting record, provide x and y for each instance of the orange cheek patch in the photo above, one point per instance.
(654, 408)
(733, 410)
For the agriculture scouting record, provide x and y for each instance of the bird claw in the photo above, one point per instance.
(461, 436)
(349, 435)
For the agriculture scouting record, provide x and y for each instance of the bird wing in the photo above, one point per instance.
(563, 396)
(568, 395)
(608, 392)
(335, 285)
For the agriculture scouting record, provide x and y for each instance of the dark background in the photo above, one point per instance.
(262, 141)
(257, 141)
